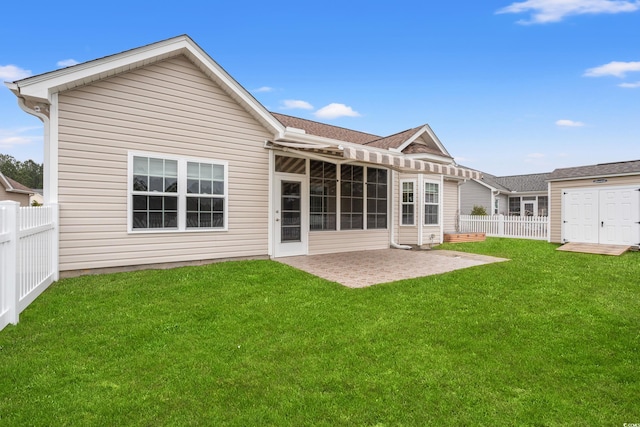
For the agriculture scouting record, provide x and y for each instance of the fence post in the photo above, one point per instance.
(501, 225)
(9, 272)
(55, 243)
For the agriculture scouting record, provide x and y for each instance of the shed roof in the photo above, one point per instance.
(630, 167)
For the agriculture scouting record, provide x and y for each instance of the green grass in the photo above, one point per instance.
(548, 338)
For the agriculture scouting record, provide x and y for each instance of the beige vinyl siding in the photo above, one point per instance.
(474, 194)
(504, 205)
(407, 234)
(555, 202)
(324, 242)
(168, 108)
(431, 234)
(23, 199)
(450, 208)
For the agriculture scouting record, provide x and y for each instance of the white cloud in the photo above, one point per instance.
(569, 123)
(11, 73)
(335, 110)
(614, 68)
(630, 85)
(545, 11)
(290, 104)
(67, 63)
(263, 89)
(10, 138)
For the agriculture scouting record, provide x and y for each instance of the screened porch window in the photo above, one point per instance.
(514, 206)
(376, 198)
(323, 182)
(351, 197)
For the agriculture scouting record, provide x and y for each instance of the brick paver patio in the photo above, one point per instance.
(366, 268)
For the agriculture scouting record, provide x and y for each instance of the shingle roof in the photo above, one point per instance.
(348, 135)
(326, 131)
(13, 185)
(393, 141)
(492, 181)
(523, 183)
(517, 183)
(602, 169)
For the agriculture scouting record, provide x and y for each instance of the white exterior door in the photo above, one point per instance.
(581, 216)
(608, 216)
(291, 224)
(619, 216)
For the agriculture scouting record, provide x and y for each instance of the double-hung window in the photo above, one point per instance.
(408, 204)
(155, 193)
(431, 203)
(177, 194)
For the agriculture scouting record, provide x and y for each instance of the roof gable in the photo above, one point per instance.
(41, 86)
(13, 186)
(631, 167)
(418, 140)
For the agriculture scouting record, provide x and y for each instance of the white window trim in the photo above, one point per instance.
(181, 194)
(415, 211)
(424, 203)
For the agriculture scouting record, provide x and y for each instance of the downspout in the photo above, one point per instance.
(44, 118)
(392, 241)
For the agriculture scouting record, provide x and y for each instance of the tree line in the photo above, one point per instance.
(27, 173)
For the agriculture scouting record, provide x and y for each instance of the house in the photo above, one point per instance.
(157, 155)
(596, 204)
(520, 195)
(12, 190)
(36, 197)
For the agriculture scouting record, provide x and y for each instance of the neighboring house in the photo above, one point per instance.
(596, 204)
(522, 195)
(157, 155)
(37, 196)
(12, 190)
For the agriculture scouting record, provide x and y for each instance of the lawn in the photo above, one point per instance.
(548, 338)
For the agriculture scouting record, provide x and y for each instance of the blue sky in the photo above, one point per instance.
(508, 87)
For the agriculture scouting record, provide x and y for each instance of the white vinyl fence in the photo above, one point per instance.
(525, 227)
(28, 256)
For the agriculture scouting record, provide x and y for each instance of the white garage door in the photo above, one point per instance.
(603, 215)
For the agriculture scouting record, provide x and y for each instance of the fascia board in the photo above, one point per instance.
(576, 178)
(425, 129)
(484, 184)
(5, 182)
(431, 157)
(409, 141)
(435, 139)
(43, 85)
(225, 80)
